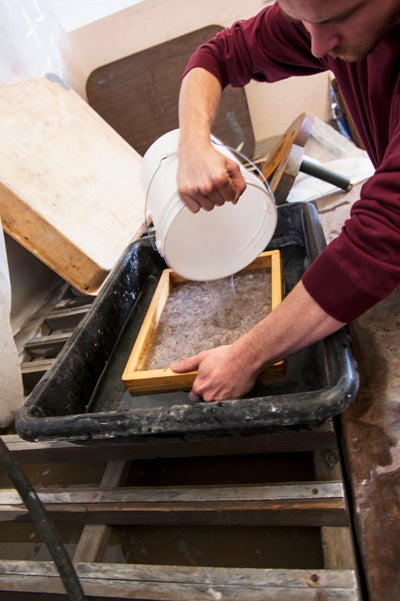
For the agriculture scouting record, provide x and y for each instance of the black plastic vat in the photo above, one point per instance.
(82, 398)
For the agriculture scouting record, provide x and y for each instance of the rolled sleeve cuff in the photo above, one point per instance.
(335, 290)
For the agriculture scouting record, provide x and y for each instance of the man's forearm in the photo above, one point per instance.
(199, 100)
(206, 177)
(295, 324)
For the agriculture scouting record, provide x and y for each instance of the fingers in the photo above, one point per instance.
(211, 186)
(203, 387)
(219, 375)
(238, 184)
(197, 200)
(194, 398)
(187, 364)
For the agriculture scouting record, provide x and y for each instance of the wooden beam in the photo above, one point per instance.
(47, 346)
(60, 451)
(305, 504)
(95, 537)
(337, 543)
(32, 372)
(66, 318)
(183, 583)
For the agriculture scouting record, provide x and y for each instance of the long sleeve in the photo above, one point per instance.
(362, 265)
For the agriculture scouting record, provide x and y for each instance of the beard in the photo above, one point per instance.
(353, 55)
(356, 54)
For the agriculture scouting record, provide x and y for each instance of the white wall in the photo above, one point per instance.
(151, 22)
(73, 14)
(101, 31)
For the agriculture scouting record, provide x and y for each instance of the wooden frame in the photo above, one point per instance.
(142, 381)
(320, 502)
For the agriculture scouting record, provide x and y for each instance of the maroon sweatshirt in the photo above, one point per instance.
(362, 265)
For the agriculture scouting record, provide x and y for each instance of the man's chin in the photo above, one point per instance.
(349, 57)
(353, 55)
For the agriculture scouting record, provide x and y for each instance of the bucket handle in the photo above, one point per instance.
(167, 156)
(146, 220)
(247, 160)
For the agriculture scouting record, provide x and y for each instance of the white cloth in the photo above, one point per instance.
(11, 389)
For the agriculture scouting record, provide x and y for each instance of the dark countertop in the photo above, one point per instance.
(370, 428)
(371, 442)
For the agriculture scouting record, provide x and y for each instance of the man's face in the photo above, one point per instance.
(346, 29)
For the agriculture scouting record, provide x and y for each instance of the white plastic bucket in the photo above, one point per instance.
(207, 245)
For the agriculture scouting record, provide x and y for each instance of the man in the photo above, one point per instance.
(359, 41)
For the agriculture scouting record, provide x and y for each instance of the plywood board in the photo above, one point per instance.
(138, 95)
(140, 380)
(70, 187)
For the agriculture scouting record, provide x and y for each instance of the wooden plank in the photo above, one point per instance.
(182, 583)
(95, 537)
(61, 165)
(138, 95)
(62, 451)
(47, 346)
(32, 372)
(39, 365)
(66, 319)
(311, 504)
(337, 543)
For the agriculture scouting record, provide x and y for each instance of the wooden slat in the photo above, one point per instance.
(311, 504)
(66, 319)
(95, 537)
(47, 346)
(39, 366)
(337, 544)
(60, 451)
(32, 372)
(182, 583)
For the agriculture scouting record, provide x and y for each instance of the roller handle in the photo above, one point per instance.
(327, 175)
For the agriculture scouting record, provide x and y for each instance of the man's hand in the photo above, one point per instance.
(220, 375)
(229, 372)
(208, 178)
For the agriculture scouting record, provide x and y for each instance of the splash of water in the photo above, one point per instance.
(224, 310)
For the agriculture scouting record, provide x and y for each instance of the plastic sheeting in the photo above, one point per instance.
(11, 388)
(32, 41)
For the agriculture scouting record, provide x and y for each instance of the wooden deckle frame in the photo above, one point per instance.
(141, 381)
